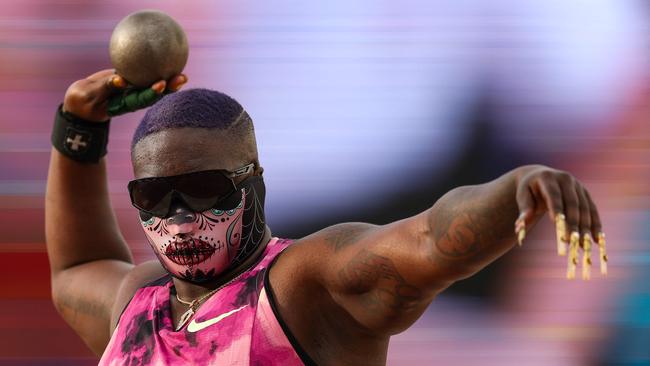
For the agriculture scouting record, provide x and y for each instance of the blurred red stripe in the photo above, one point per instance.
(25, 276)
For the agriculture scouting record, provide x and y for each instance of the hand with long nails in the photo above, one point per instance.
(572, 210)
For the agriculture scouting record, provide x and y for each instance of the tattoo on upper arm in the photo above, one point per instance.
(70, 302)
(342, 235)
(381, 285)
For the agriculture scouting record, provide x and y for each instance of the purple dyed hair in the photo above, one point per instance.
(199, 108)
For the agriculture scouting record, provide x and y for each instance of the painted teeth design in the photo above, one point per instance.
(189, 253)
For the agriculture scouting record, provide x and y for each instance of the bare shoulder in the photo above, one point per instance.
(300, 260)
(342, 235)
(139, 276)
(322, 327)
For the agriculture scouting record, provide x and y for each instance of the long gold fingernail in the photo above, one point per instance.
(574, 240)
(520, 229)
(560, 228)
(586, 256)
(600, 238)
(521, 235)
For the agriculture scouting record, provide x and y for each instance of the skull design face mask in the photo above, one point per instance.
(199, 246)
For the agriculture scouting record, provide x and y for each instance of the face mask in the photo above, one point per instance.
(199, 246)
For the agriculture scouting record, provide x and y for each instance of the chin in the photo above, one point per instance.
(197, 275)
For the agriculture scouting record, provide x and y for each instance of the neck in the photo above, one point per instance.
(190, 291)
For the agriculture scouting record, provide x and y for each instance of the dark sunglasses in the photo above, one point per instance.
(200, 191)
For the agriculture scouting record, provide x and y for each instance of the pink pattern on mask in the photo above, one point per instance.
(200, 249)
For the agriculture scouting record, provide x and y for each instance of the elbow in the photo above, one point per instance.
(56, 294)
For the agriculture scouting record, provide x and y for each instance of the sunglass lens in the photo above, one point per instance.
(153, 196)
(229, 202)
(202, 191)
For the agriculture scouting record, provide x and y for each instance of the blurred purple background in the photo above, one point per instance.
(370, 111)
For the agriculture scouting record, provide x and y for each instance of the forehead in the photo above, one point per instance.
(185, 150)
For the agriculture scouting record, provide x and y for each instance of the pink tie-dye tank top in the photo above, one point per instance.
(238, 325)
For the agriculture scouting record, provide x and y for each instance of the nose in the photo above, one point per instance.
(181, 220)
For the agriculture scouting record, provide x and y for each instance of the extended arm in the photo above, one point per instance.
(385, 276)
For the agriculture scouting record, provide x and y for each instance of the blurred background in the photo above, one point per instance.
(370, 111)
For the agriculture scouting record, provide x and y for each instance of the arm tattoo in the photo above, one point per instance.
(81, 305)
(472, 225)
(71, 303)
(378, 277)
(457, 237)
(342, 235)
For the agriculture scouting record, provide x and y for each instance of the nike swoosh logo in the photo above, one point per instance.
(195, 326)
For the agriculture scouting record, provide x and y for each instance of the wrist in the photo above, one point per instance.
(79, 139)
(90, 116)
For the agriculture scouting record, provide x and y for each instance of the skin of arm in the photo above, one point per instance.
(386, 276)
(92, 274)
(88, 256)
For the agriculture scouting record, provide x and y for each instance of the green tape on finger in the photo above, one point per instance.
(132, 100)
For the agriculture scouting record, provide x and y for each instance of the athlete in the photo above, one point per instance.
(223, 290)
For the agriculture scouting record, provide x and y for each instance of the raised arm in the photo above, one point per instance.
(89, 258)
(385, 276)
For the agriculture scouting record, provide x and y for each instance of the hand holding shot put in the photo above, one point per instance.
(89, 98)
(223, 289)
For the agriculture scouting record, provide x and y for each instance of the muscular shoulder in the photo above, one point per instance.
(299, 273)
(321, 326)
(301, 259)
(139, 276)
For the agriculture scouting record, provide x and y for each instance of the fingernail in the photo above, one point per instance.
(118, 82)
(520, 229)
(159, 87)
(521, 235)
(182, 82)
(600, 238)
(586, 256)
(560, 229)
(574, 241)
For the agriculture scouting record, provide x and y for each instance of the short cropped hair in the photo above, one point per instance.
(199, 108)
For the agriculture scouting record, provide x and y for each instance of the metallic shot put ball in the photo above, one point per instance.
(148, 46)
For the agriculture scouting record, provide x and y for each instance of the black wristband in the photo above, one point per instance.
(80, 140)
